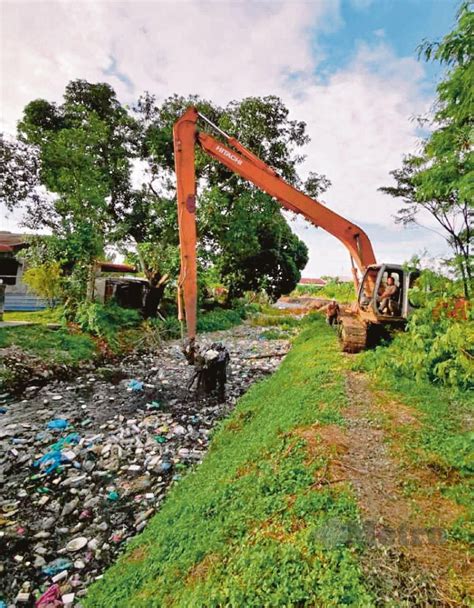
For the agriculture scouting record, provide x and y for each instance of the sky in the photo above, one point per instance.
(348, 68)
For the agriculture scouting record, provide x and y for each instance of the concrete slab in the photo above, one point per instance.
(16, 323)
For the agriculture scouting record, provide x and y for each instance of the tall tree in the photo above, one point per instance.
(88, 148)
(440, 179)
(84, 149)
(242, 230)
(19, 175)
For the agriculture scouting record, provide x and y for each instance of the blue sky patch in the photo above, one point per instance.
(402, 24)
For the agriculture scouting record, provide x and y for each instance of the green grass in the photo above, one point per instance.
(43, 317)
(275, 334)
(342, 292)
(443, 442)
(57, 346)
(284, 322)
(220, 319)
(242, 529)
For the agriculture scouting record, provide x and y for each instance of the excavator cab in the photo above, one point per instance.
(374, 316)
(372, 287)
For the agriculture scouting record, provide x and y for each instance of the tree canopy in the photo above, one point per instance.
(97, 173)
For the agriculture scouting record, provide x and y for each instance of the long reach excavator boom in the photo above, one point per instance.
(243, 162)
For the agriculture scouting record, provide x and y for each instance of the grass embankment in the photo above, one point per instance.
(440, 444)
(68, 344)
(244, 528)
(41, 348)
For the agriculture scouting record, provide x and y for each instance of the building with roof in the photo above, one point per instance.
(315, 282)
(127, 291)
(17, 296)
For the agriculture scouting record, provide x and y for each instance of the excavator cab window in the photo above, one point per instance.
(367, 288)
(392, 306)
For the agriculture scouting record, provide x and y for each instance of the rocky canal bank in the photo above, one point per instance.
(85, 463)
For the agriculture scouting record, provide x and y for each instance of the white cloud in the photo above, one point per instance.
(358, 119)
(360, 125)
(222, 50)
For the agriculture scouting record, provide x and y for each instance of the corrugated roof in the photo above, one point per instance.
(306, 281)
(111, 267)
(10, 242)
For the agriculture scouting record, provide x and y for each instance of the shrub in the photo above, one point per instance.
(215, 320)
(165, 329)
(105, 320)
(437, 345)
(220, 319)
(46, 281)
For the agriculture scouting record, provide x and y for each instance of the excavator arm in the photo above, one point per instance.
(243, 162)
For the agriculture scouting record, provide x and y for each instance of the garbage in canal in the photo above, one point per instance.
(57, 425)
(68, 599)
(50, 598)
(135, 385)
(50, 461)
(76, 544)
(70, 439)
(57, 565)
(73, 495)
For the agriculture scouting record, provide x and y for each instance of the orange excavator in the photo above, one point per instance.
(371, 311)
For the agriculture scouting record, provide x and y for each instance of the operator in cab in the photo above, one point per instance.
(388, 297)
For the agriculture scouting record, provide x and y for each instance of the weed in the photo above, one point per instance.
(58, 346)
(333, 290)
(220, 319)
(284, 322)
(275, 334)
(105, 320)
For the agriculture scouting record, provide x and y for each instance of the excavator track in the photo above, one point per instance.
(353, 333)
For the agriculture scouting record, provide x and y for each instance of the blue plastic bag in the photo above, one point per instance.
(58, 565)
(58, 424)
(72, 438)
(135, 385)
(53, 459)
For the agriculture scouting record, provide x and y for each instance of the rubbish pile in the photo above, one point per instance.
(84, 464)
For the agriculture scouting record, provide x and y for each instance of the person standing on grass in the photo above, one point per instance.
(332, 313)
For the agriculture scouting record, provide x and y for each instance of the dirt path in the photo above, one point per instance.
(408, 558)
